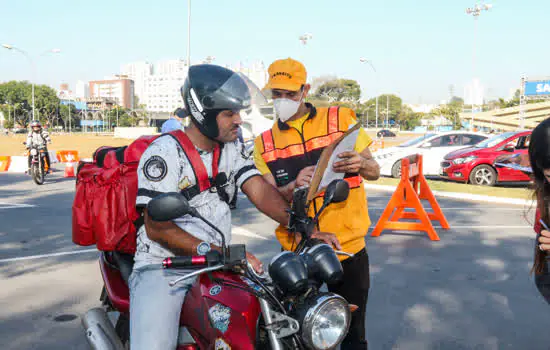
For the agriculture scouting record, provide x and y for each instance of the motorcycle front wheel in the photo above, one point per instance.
(37, 174)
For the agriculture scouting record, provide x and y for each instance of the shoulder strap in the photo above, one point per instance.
(203, 181)
(332, 119)
(267, 139)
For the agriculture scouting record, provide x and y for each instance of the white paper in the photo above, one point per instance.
(346, 145)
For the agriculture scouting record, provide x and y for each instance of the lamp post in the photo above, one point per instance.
(188, 34)
(33, 67)
(475, 11)
(364, 60)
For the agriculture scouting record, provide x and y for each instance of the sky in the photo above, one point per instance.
(419, 48)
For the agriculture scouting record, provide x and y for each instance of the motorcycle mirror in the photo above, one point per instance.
(337, 191)
(168, 206)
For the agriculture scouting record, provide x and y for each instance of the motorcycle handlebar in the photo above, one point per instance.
(179, 262)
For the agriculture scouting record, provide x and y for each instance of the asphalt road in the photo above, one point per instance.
(471, 290)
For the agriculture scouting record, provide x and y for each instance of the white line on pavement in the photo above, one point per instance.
(237, 231)
(241, 231)
(32, 257)
(4, 205)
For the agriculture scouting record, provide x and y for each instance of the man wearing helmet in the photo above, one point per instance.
(38, 137)
(214, 97)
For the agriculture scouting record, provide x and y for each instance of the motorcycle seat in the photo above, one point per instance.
(123, 262)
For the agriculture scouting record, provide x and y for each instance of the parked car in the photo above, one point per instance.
(432, 146)
(475, 164)
(385, 133)
(19, 131)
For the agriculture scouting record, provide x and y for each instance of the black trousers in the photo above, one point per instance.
(355, 289)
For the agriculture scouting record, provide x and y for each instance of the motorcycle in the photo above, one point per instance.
(38, 163)
(231, 306)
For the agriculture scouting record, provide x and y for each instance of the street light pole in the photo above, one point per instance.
(33, 67)
(188, 33)
(475, 12)
(364, 60)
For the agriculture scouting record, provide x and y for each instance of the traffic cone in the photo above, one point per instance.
(69, 170)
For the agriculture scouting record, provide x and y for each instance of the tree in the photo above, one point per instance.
(18, 94)
(319, 81)
(341, 90)
(457, 101)
(394, 113)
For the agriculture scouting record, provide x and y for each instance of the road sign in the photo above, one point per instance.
(537, 88)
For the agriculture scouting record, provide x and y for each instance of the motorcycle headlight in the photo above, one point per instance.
(34, 152)
(289, 272)
(323, 264)
(326, 321)
(464, 160)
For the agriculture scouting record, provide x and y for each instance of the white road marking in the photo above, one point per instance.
(237, 231)
(32, 257)
(4, 205)
(241, 231)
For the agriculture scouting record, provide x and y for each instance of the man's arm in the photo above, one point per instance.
(172, 237)
(370, 170)
(266, 198)
(286, 190)
(362, 163)
(46, 137)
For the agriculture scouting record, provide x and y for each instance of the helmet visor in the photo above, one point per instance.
(236, 93)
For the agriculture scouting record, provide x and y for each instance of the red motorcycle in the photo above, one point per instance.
(231, 306)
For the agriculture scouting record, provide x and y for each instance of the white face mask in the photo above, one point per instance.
(285, 108)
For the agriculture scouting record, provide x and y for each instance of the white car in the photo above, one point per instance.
(432, 146)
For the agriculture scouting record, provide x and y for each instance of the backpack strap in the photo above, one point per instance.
(199, 170)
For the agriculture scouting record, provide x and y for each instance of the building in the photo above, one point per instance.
(256, 72)
(474, 93)
(158, 86)
(421, 108)
(119, 90)
(509, 119)
(139, 72)
(82, 90)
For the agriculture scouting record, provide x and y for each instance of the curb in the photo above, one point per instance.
(462, 196)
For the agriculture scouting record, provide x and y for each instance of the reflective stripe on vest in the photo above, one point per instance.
(272, 154)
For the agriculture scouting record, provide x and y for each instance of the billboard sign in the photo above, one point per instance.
(537, 88)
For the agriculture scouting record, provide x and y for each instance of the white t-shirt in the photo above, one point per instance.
(164, 167)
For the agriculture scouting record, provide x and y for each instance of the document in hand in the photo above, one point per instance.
(324, 174)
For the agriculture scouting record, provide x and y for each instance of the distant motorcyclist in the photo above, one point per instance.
(38, 138)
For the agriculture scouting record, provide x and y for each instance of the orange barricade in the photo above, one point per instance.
(5, 163)
(411, 190)
(70, 158)
(376, 145)
(67, 156)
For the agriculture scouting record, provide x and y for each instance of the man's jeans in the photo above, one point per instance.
(155, 307)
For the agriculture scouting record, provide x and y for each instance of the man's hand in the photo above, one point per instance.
(305, 176)
(544, 241)
(328, 238)
(256, 264)
(351, 162)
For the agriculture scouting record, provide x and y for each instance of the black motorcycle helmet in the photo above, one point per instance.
(209, 90)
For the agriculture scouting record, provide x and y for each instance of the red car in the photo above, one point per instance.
(475, 164)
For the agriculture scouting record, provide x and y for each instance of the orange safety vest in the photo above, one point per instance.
(286, 151)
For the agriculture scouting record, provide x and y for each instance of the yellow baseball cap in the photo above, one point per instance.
(286, 74)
